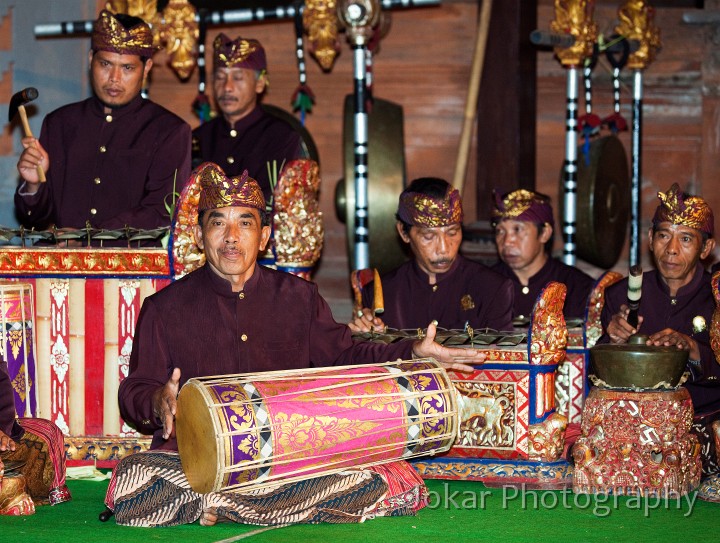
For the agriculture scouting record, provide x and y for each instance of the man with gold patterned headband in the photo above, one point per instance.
(677, 302)
(244, 136)
(438, 283)
(219, 320)
(112, 159)
(523, 223)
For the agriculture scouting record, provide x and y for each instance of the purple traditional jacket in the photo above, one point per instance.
(578, 283)
(8, 423)
(660, 310)
(109, 170)
(250, 144)
(198, 324)
(468, 292)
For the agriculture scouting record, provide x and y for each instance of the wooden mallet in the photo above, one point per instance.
(17, 105)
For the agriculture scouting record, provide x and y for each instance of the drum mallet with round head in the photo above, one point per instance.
(17, 105)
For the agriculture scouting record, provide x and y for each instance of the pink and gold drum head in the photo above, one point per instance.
(241, 430)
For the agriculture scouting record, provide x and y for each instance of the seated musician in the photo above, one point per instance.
(523, 222)
(438, 283)
(234, 316)
(244, 136)
(113, 159)
(36, 446)
(677, 303)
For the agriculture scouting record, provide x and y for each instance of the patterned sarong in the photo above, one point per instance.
(150, 489)
(702, 428)
(42, 448)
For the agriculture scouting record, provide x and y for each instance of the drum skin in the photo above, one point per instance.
(250, 430)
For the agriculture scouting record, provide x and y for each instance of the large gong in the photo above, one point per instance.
(307, 144)
(603, 202)
(386, 180)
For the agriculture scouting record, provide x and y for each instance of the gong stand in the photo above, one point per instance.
(573, 18)
(637, 23)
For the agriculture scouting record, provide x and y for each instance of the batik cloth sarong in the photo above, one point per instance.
(42, 449)
(150, 489)
(702, 428)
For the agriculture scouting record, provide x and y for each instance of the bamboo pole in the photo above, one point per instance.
(472, 97)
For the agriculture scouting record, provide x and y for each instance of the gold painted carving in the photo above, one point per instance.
(637, 23)
(575, 17)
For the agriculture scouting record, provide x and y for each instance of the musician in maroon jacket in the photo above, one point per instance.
(438, 283)
(523, 222)
(243, 137)
(112, 159)
(230, 316)
(677, 302)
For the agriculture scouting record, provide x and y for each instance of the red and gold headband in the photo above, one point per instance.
(419, 209)
(110, 35)
(677, 208)
(523, 205)
(239, 53)
(218, 190)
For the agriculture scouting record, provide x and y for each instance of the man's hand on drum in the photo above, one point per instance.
(165, 403)
(366, 320)
(450, 358)
(6, 443)
(33, 155)
(619, 330)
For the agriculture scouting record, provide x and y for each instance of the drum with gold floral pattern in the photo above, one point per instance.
(252, 430)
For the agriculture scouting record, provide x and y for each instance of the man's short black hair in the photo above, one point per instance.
(432, 187)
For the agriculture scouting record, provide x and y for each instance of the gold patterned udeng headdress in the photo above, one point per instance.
(218, 190)
(523, 205)
(110, 35)
(418, 209)
(239, 53)
(678, 208)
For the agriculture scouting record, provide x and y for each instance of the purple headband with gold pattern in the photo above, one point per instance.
(239, 53)
(677, 208)
(110, 35)
(523, 205)
(218, 190)
(419, 209)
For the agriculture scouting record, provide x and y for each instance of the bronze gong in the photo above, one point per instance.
(386, 180)
(603, 202)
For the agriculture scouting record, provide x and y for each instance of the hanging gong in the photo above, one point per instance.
(603, 202)
(307, 144)
(386, 180)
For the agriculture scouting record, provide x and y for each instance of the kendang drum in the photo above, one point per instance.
(17, 320)
(257, 429)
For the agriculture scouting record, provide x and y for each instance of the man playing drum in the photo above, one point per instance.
(523, 223)
(232, 316)
(438, 283)
(677, 303)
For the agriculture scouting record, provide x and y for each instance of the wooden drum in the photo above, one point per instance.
(245, 430)
(17, 346)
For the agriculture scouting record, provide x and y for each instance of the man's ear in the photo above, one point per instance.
(707, 248)
(264, 237)
(197, 234)
(546, 233)
(401, 230)
(146, 70)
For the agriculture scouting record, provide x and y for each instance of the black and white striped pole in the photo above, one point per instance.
(359, 18)
(569, 220)
(636, 169)
(573, 22)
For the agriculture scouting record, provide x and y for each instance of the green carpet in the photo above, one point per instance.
(459, 511)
